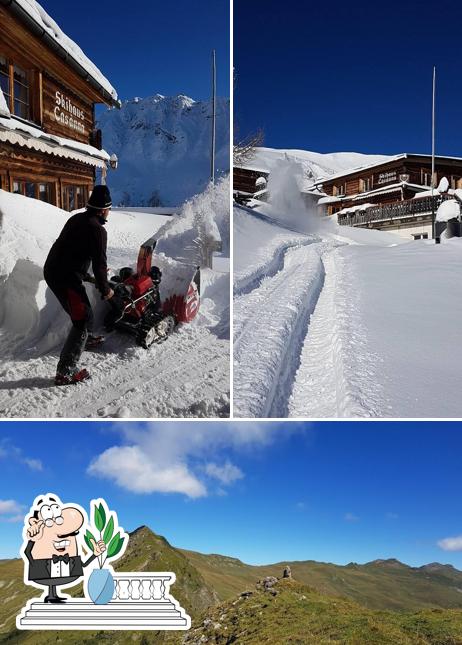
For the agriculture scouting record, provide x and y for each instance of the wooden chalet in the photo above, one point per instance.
(248, 183)
(49, 148)
(394, 194)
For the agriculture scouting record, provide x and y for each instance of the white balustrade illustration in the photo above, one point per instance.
(141, 601)
(141, 587)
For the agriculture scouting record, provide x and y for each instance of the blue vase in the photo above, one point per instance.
(100, 586)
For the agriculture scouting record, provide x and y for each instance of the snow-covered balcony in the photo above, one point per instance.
(141, 601)
(402, 210)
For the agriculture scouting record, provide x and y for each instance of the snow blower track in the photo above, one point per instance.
(185, 377)
(269, 322)
(336, 377)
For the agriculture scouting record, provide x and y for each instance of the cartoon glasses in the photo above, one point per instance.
(51, 514)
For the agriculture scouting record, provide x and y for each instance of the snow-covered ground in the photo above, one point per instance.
(340, 322)
(186, 376)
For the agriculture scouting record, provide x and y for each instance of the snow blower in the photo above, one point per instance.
(143, 307)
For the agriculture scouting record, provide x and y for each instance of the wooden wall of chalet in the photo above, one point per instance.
(244, 179)
(51, 73)
(389, 173)
(23, 164)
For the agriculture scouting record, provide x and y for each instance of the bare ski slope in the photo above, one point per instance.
(344, 323)
(187, 376)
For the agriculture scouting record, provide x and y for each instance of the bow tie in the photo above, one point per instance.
(61, 558)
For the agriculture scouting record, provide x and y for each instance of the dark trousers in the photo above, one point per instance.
(74, 300)
(52, 583)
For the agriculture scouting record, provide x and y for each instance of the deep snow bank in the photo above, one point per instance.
(30, 315)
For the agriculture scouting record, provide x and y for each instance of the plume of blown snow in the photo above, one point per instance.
(202, 219)
(286, 202)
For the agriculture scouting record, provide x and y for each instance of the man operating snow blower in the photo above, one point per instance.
(82, 242)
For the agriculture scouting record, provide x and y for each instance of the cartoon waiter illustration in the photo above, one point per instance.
(52, 549)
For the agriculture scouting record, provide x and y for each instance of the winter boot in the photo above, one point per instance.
(74, 377)
(94, 341)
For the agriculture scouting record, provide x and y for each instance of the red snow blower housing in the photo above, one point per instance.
(136, 306)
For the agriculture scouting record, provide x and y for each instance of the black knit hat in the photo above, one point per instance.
(100, 198)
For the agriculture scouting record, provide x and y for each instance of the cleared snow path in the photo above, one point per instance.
(337, 375)
(185, 377)
(270, 323)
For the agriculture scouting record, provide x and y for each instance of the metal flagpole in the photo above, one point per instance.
(214, 116)
(433, 159)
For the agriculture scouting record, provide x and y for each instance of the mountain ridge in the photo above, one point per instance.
(363, 594)
(163, 145)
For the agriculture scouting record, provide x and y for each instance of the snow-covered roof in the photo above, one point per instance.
(18, 133)
(252, 168)
(329, 200)
(352, 171)
(48, 27)
(354, 209)
(392, 188)
(427, 193)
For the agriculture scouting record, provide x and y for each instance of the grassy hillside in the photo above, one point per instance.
(299, 615)
(327, 604)
(146, 551)
(382, 584)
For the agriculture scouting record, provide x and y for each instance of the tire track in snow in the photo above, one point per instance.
(268, 323)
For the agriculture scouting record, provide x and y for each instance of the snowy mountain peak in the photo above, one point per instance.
(163, 146)
(180, 101)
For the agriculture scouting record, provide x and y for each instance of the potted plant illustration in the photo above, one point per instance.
(100, 584)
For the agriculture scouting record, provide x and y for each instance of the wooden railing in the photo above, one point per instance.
(396, 210)
(142, 587)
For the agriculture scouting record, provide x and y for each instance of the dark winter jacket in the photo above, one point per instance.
(82, 242)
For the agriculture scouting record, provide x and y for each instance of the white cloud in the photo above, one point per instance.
(350, 517)
(11, 511)
(8, 506)
(177, 457)
(9, 451)
(15, 518)
(34, 464)
(226, 474)
(451, 543)
(130, 468)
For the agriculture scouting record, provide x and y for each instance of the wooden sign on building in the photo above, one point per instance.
(49, 149)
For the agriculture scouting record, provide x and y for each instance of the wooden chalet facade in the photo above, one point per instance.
(49, 149)
(390, 195)
(249, 183)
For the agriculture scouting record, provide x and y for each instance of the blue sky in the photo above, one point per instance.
(348, 76)
(263, 492)
(146, 47)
